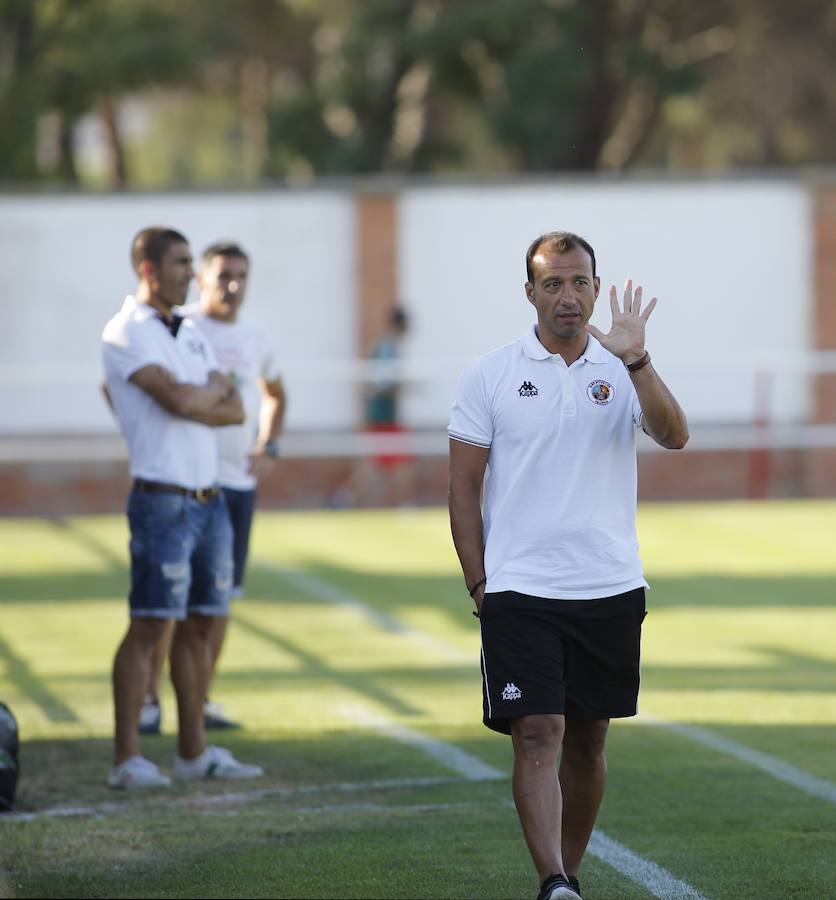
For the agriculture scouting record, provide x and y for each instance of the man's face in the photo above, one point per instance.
(563, 292)
(223, 284)
(170, 279)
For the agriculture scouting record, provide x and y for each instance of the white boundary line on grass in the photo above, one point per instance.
(777, 768)
(465, 764)
(154, 799)
(658, 881)
(772, 765)
(653, 878)
(324, 590)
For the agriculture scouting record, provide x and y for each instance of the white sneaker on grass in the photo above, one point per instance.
(214, 717)
(214, 762)
(149, 718)
(137, 772)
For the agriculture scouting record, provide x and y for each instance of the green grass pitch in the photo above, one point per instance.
(356, 631)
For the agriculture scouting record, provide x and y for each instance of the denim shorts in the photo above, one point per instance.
(181, 556)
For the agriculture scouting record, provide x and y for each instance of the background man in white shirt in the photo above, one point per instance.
(164, 386)
(246, 450)
(548, 425)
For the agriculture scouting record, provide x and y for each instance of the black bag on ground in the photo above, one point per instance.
(9, 750)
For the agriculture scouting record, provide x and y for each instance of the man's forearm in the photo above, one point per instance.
(271, 418)
(229, 410)
(468, 535)
(663, 418)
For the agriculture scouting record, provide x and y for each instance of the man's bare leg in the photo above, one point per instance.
(217, 637)
(537, 795)
(161, 651)
(191, 661)
(583, 776)
(131, 671)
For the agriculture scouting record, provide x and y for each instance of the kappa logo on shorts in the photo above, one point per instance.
(600, 392)
(527, 389)
(511, 692)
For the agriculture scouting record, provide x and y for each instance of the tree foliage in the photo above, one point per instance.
(280, 88)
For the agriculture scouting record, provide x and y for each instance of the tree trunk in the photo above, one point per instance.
(109, 114)
(67, 169)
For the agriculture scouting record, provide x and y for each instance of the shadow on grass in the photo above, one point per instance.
(70, 773)
(394, 598)
(25, 681)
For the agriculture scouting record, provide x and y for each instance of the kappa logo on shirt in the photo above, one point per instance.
(527, 389)
(600, 392)
(196, 347)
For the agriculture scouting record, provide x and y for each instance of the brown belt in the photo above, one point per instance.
(202, 495)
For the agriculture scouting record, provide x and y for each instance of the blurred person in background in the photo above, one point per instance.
(246, 451)
(547, 424)
(164, 386)
(387, 473)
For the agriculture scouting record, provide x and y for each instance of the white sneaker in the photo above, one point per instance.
(149, 718)
(214, 762)
(215, 719)
(137, 772)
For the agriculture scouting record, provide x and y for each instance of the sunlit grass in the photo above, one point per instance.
(739, 640)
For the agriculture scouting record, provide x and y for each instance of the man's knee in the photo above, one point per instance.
(536, 734)
(146, 632)
(584, 742)
(199, 627)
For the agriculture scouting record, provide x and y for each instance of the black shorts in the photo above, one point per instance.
(578, 658)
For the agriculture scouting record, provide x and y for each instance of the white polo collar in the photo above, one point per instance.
(593, 353)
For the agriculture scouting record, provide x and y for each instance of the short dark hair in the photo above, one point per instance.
(223, 248)
(561, 241)
(152, 244)
(398, 318)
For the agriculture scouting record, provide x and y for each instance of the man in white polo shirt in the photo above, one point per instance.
(163, 383)
(246, 451)
(548, 424)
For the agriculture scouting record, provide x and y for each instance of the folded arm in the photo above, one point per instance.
(215, 403)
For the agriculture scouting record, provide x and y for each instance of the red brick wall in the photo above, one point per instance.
(821, 469)
(54, 489)
(377, 261)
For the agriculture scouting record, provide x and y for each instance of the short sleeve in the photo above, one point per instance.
(127, 348)
(470, 418)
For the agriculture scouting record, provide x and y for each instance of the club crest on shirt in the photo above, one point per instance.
(600, 392)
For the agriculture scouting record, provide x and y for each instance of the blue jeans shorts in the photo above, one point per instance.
(181, 556)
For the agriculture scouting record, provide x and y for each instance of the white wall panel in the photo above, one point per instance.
(66, 268)
(729, 261)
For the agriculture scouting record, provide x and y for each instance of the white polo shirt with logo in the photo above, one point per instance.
(244, 354)
(559, 506)
(162, 447)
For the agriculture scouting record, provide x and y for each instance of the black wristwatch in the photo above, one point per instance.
(271, 449)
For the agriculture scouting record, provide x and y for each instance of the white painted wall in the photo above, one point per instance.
(729, 260)
(66, 269)
(731, 264)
